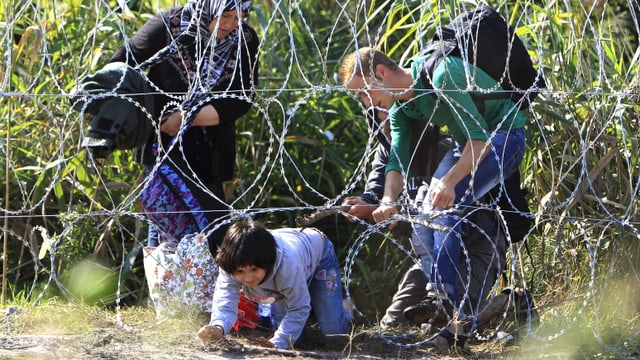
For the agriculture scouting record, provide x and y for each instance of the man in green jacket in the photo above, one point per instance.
(491, 141)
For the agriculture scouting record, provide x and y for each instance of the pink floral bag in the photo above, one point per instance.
(182, 277)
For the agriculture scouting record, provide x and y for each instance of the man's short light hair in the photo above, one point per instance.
(363, 62)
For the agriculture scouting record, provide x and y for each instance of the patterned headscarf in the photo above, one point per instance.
(197, 14)
(211, 53)
(214, 53)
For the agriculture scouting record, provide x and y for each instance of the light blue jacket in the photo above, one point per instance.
(298, 254)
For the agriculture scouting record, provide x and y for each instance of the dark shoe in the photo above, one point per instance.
(448, 342)
(493, 312)
(433, 309)
(522, 314)
(511, 311)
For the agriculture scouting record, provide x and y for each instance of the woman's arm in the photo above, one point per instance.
(242, 86)
(243, 82)
(206, 116)
(146, 42)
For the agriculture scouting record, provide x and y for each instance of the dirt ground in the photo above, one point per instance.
(131, 344)
(58, 331)
(55, 329)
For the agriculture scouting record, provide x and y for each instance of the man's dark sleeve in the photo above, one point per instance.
(375, 182)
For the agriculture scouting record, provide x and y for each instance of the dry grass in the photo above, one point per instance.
(71, 331)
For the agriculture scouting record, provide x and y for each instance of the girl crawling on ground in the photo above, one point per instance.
(295, 270)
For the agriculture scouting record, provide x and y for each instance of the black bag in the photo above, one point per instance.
(483, 38)
(121, 105)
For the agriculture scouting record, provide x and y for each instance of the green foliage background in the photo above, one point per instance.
(305, 144)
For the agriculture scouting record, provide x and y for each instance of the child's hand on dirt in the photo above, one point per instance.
(264, 342)
(210, 333)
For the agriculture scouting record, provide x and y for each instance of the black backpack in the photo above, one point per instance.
(483, 38)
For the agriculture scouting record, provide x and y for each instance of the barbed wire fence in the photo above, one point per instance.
(581, 166)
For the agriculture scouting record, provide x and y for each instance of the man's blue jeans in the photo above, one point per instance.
(503, 160)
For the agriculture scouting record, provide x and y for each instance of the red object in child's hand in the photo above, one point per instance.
(247, 314)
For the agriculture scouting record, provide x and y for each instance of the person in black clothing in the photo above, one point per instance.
(202, 60)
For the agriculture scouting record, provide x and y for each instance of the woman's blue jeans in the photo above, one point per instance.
(503, 160)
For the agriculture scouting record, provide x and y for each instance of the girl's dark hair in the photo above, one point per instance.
(247, 242)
